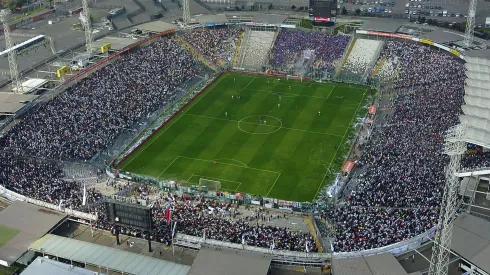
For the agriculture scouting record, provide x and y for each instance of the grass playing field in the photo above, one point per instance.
(276, 138)
(6, 234)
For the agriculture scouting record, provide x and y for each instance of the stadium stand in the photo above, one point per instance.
(320, 50)
(42, 180)
(399, 184)
(255, 48)
(218, 45)
(194, 217)
(86, 118)
(361, 58)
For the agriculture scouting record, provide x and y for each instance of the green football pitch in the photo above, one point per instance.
(257, 135)
(6, 234)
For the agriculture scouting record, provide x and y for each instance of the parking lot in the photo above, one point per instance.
(450, 11)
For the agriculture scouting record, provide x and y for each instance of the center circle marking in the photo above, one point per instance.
(252, 133)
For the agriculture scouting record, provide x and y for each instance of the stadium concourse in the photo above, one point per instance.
(400, 174)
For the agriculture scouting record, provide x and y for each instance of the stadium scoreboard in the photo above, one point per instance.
(323, 12)
(127, 214)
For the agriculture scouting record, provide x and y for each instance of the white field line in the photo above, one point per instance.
(244, 165)
(239, 183)
(266, 125)
(291, 94)
(335, 155)
(207, 160)
(273, 184)
(330, 92)
(250, 82)
(190, 178)
(174, 121)
(167, 167)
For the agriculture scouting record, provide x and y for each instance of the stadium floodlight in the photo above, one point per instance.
(454, 147)
(12, 58)
(186, 12)
(210, 184)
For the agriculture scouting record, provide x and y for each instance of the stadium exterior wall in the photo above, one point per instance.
(396, 249)
(17, 197)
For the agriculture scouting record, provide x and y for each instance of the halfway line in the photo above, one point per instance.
(266, 125)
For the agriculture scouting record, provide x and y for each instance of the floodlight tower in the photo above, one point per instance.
(187, 14)
(470, 24)
(12, 58)
(454, 147)
(85, 18)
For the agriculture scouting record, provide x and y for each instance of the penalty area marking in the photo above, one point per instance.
(244, 165)
(168, 167)
(250, 82)
(278, 127)
(273, 184)
(207, 160)
(206, 177)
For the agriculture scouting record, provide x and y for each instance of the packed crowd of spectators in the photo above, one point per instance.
(86, 118)
(218, 44)
(42, 180)
(291, 45)
(399, 187)
(478, 159)
(199, 217)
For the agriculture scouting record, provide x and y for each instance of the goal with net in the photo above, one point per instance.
(210, 184)
(295, 77)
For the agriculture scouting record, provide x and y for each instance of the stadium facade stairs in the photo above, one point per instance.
(310, 222)
(347, 52)
(196, 54)
(242, 50)
(378, 67)
(373, 61)
(255, 49)
(360, 60)
(237, 49)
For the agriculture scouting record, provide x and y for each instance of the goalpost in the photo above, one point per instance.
(210, 184)
(296, 77)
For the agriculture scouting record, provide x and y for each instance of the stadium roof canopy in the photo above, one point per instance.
(384, 263)
(477, 99)
(211, 18)
(272, 19)
(441, 37)
(155, 26)
(370, 25)
(212, 260)
(10, 108)
(32, 84)
(471, 240)
(44, 266)
(117, 43)
(485, 54)
(107, 258)
(24, 223)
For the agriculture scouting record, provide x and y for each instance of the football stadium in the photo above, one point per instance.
(242, 143)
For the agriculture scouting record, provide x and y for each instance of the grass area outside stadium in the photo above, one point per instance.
(257, 135)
